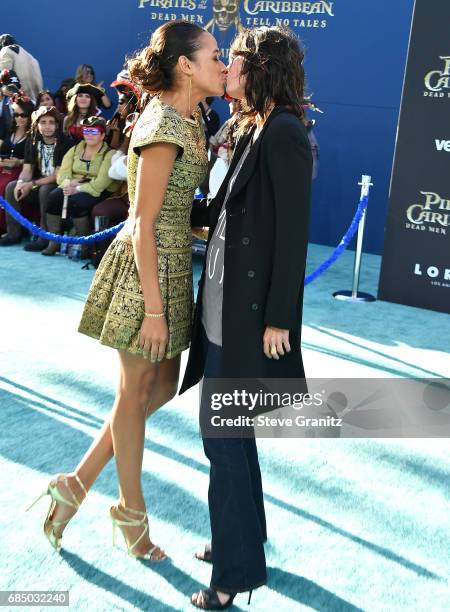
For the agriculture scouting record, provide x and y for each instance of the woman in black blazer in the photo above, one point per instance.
(249, 306)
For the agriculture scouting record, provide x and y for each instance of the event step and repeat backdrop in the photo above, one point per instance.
(355, 60)
(416, 260)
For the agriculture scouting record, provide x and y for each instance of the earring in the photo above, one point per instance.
(189, 97)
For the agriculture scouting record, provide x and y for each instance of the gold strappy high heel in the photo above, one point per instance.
(131, 522)
(57, 497)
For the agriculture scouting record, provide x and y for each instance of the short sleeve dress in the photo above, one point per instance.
(114, 307)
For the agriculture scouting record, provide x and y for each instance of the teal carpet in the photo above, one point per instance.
(353, 524)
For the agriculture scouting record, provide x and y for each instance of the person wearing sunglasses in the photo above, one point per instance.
(12, 149)
(83, 177)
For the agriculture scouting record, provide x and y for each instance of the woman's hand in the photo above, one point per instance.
(22, 190)
(153, 338)
(276, 342)
(70, 189)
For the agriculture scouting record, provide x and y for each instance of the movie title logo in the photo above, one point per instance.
(233, 15)
(437, 82)
(432, 215)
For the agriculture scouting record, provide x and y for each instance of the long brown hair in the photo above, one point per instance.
(273, 67)
(73, 111)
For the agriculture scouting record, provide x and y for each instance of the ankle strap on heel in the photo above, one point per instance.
(77, 478)
(137, 512)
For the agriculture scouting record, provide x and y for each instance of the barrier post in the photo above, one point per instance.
(354, 295)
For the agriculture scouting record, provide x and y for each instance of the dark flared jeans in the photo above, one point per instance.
(236, 505)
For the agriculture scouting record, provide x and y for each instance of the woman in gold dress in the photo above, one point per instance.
(141, 299)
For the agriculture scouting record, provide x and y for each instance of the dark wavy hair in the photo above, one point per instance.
(273, 67)
(41, 94)
(153, 67)
(27, 107)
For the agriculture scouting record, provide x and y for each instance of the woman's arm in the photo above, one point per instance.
(106, 102)
(288, 160)
(154, 169)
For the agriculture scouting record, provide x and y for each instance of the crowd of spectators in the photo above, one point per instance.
(62, 165)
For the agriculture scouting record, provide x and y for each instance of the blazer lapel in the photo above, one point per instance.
(249, 164)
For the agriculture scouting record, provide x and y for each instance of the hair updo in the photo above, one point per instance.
(153, 67)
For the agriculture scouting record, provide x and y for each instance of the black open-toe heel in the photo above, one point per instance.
(211, 600)
(207, 554)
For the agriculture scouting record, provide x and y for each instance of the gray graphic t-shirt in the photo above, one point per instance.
(213, 286)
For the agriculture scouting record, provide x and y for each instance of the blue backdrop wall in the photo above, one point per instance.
(356, 53)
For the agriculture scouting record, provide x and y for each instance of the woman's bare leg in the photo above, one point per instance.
(136, 387)
(101, 450)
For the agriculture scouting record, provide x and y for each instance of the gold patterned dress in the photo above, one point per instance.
(114, 308)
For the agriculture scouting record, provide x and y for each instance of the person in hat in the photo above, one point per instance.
(12, 149)
(129, 103)
(14, 57)
(86, 165)
(85, 74)
(44, 151)
(82, 102)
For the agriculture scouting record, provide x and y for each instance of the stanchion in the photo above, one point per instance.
(354, 295)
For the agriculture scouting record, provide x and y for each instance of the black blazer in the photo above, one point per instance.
(266, 238)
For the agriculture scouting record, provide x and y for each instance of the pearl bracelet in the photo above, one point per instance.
(153, 316)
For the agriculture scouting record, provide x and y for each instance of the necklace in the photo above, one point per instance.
(46, 151)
